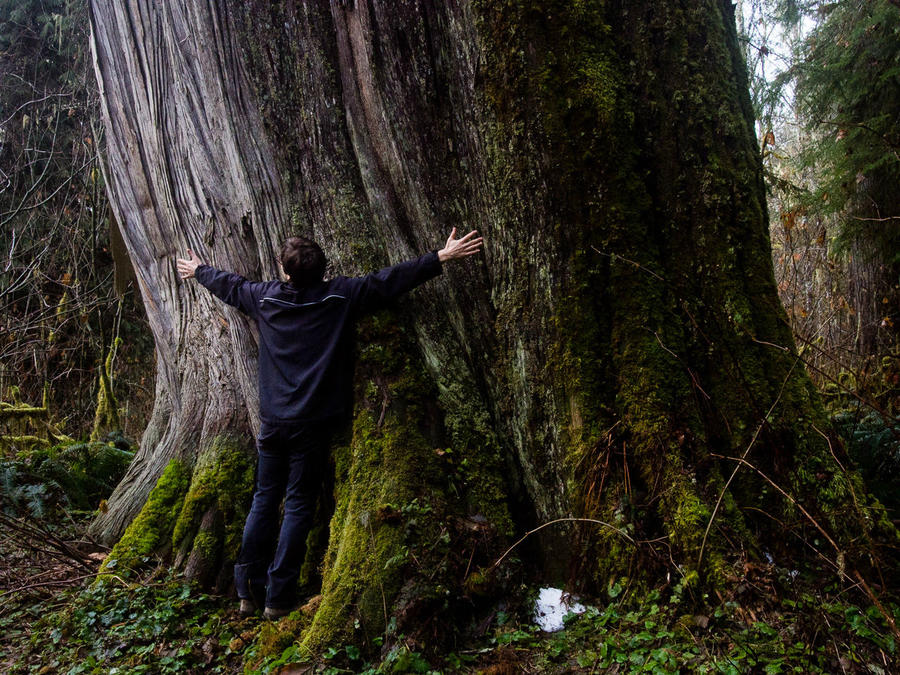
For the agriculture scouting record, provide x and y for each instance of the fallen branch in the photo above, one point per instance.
(29, 535)
(788, 497)
(56, 582)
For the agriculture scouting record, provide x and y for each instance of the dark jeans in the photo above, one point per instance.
(291, 466)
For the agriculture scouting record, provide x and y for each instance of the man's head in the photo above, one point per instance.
(303, 261)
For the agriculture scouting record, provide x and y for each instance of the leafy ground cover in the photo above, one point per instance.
(57, 616)
(163, 625)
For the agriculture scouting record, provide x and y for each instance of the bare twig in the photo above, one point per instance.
(694, 378)
(759, 428)
(876, 220)
(637, 265)
(55, 582)
(787, 496)
(839, 565)
(831, 450)
(875, 601)
(34, 101)
(525, 536)
(383, 597)
(30, 533)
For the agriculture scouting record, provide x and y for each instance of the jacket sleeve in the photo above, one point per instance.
(374, 291)
(230, 288)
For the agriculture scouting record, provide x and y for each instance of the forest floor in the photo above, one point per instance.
(54, 618)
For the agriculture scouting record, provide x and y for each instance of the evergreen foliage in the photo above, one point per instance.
(848, 95)
(57, 302)
(849, 92)
(825, 78)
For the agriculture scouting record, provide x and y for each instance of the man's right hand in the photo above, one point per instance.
(460, 248)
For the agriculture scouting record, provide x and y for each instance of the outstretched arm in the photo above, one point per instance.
(231, 288)
(374, 291)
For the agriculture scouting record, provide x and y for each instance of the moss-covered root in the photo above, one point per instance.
(369, 551)
(401, 539)
(150, 532)
(197, 512)
(207, 534)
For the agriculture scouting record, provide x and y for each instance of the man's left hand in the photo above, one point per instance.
(186, 268)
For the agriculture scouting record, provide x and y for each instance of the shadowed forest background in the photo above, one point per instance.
(649, 392)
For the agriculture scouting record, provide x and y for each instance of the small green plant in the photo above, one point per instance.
(651, 635)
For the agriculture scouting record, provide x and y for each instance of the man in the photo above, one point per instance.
(306, 333)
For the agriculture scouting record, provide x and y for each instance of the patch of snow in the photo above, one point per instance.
(550, 608)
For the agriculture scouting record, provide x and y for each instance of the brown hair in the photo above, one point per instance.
(303, 261)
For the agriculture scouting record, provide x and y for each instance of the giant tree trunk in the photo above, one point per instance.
(619, 341)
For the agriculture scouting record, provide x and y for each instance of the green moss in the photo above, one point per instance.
(378, 466)
(8, 412)
(273, 640)
(275, 637)
(22, 444)
(26, 426)
(106, 416)
(477, 457)
(149, 532)
(317, 544)
(390, 545)
(207, 545)
(222, 480)
(646, 171)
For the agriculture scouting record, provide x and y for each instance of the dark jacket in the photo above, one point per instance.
(306, 334)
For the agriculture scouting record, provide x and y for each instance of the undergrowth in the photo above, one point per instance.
(813, 630)
(156, 626)
(777, 621)
(165, 626)
(162, 624)
(813, 634)
(40, 482)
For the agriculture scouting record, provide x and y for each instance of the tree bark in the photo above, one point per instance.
(618, 345)
(184, 169)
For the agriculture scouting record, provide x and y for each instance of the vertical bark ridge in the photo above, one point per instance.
(187, 167)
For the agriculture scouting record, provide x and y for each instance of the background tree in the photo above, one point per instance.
(831, 159)
(619, 354)
(57, 298)
(849, 93)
